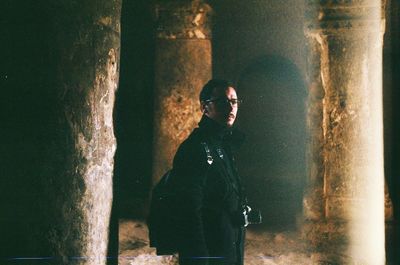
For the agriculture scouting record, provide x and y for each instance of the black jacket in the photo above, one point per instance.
(210, 196)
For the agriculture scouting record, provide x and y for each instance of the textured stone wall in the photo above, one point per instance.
(182, 67)
(80, 190)
(344, 208)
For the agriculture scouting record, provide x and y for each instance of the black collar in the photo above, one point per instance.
(220, 132)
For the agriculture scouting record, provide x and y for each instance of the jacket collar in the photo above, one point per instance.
(220, 132)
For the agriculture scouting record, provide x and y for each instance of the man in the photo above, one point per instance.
(210, 195)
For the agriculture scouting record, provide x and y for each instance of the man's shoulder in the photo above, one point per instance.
(193, 142)
(193, 149)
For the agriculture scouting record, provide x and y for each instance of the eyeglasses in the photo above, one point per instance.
(234, 102)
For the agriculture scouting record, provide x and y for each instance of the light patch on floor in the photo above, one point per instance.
(262, 248)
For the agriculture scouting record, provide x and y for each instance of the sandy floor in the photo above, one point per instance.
(262, 248)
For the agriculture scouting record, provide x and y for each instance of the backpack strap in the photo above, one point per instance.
(210, 159)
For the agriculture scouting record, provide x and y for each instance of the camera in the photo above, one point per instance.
(251, 216)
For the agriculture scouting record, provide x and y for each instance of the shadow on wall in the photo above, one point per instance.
(272, 162)
(133, 114)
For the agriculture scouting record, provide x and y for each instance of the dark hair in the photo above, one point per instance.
(208, 89)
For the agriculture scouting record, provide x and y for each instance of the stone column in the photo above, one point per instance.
(79, 191)
(344, 206)
(182, 67)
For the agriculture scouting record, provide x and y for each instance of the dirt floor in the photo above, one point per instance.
(262, 248)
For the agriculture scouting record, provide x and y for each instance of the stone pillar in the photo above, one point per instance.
(182, 67)
(79, 191)
(344, 205)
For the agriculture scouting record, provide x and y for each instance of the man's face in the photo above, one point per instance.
(222, 106)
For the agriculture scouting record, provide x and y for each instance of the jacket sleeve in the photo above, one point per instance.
(190, 166)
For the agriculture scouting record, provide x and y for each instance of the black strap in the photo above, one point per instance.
(210, 159)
